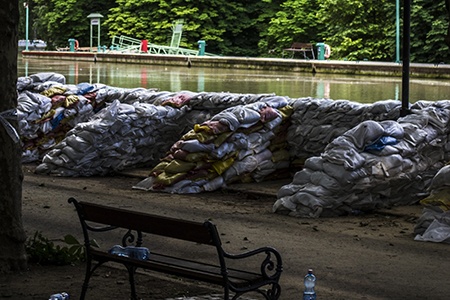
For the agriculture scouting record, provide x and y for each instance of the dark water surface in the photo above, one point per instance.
(363, 89)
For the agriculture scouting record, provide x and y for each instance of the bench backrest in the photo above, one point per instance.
(203, 233)
(297, 45)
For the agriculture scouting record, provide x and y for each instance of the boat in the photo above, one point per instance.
(32, 45)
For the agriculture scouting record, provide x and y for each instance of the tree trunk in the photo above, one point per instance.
(12, 235)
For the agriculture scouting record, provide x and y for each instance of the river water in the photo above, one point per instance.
(363, 89)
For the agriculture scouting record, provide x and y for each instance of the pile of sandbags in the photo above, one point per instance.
(46, 110)
(434, 223)
(136, 127)
(316, 122)
(119, 136)
(311, 126)
(241, 143)
(201, 141)
(373, 165)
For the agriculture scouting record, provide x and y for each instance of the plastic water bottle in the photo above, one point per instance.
(310, 283)
(59, 296)
(141, 253)
(119, 251)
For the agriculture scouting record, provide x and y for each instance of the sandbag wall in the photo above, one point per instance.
(310, 123)
(119, 136)
(46, 110)
(312, 128)
(356, 156)
(373, 165)
(135, 128)
(316, 122)
(241, 143)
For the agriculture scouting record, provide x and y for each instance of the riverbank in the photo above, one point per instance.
(441, 71)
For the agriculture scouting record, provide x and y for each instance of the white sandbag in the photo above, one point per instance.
(438, 232)
(441, 179)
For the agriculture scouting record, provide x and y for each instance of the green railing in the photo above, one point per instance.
(126, 44)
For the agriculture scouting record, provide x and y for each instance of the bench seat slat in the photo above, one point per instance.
(176, 266)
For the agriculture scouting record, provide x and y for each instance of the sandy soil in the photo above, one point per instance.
(371, 256)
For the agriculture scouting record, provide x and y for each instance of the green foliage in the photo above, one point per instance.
(358, 30)
(295, 21)
(428, 29)
(354, 29)
(45, 252)
(61, 20)
(227, 26)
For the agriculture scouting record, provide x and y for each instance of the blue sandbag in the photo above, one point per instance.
(381, 143)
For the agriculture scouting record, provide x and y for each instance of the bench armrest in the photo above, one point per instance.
(271, 267)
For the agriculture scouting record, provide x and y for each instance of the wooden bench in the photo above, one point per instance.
(262, 278)
(301, 47)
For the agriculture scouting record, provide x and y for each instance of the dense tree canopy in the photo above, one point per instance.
(359, 29)
(355, 29)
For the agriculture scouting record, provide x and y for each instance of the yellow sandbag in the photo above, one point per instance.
(159, 168)
(55, 90)
(202, 165)
(286, 111)
(280, 155)
(167, 180)
(222, 165)
(246, 178)
(179, 166)
(47, 116)
(71, 100)
(440, 198)
(198, 128)
(205, 138)
(190, 135)
(202, 136)
(197, 156)
(222, 138)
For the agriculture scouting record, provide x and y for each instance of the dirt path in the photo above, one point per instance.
(370, 256)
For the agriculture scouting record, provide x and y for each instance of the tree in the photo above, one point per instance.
(295, 21)
(358, 30)
(65, 19)
(429, 23)
(12, 235)
(355, 29)
(228, 27)
(447, 7)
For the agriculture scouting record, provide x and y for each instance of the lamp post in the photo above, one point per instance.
(25, 4)
(406, 57)
(397, 31)
(95, 20)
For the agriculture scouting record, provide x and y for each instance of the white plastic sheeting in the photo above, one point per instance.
(434, 223)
